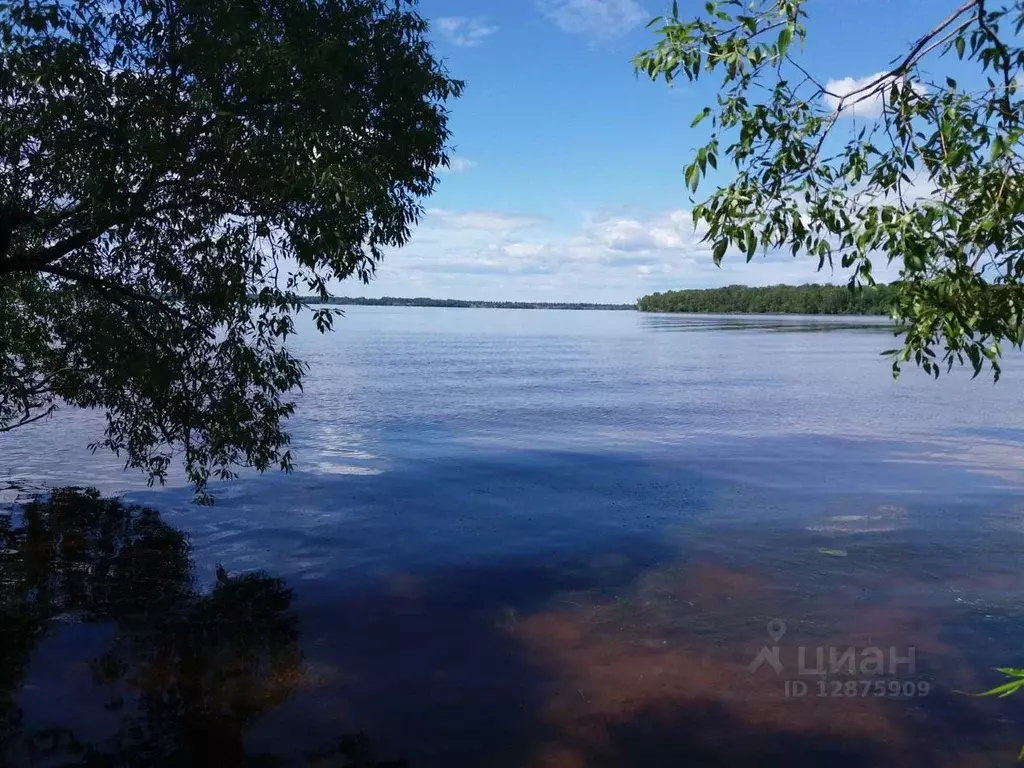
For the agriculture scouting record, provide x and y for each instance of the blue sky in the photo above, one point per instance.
(567, 173)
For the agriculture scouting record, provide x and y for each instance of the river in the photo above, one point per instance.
(562, 538)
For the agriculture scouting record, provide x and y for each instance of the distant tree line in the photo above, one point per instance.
(775, 299)
(391, 301)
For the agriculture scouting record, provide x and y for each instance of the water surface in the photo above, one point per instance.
(556, 538)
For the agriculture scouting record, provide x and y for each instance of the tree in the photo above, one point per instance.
(774, 299)
(928, 177)
(172, 173)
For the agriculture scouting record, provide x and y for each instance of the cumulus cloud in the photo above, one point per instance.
(858, 106)
(608, 257)
(596, 19)
(464, 31)
(457, 164)
(670, 231)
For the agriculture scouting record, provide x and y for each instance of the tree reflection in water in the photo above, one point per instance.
(186, 672)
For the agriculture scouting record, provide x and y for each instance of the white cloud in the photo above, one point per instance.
(492, 222)
(670, 231)
(464, 31)
(494, 255)
(457, 164)
(524, 250)
(597, 19)
(858, 106)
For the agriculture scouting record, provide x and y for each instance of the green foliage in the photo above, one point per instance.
(1015, 683)
(775, 299)
(171, 172)
(1016, 677)
(933, 184)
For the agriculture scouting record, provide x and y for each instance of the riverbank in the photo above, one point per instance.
(391, 301)
(810, 299)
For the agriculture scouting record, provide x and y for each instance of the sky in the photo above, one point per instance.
(566, 179)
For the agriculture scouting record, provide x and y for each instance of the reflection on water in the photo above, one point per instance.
(782, 323)
(537, 539)
(621, 656)
(174, 677)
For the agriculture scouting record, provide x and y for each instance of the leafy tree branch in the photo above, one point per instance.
(911, 168)
(172, 173)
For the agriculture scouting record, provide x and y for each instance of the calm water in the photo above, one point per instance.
(541, 538)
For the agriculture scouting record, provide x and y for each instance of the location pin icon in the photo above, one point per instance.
(776, 629)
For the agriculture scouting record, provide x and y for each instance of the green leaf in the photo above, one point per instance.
(1004, 690)
(692, 177)
(720, 248)
(785, 38)
(998, 148)
(959, 47)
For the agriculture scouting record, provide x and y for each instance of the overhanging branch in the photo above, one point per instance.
(104, 285)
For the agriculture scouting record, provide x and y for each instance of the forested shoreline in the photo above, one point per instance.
(734, 299)
(776, 299)
(391, 301)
